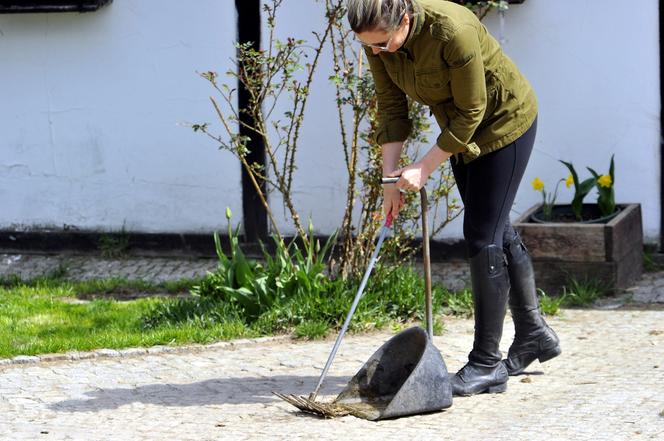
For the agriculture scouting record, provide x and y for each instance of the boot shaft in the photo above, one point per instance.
(523, 301)
(490, 283)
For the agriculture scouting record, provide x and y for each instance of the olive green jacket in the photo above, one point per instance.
(450, 63)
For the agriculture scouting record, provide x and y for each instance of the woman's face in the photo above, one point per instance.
(380, 40)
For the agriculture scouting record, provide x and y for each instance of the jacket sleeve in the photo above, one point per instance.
(393, 121)
(463, 56)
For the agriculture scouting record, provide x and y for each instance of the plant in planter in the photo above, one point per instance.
(548, 199)
(602, 241)
(581, 189)
(577, 211)
(606, 196)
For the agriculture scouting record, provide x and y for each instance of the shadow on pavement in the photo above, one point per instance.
(241, 390)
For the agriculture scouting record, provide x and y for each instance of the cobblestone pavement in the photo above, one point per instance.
(149, 269)
(607, 385)
(158, 269)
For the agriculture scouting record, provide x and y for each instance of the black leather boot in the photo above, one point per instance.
(484, 371)
(533, 338)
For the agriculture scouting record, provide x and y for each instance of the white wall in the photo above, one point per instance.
(92, 103)
(92, 112)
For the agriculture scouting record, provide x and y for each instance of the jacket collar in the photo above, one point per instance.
(416, 26)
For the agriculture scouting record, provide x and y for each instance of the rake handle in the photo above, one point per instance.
(427, 281)
(383, 233)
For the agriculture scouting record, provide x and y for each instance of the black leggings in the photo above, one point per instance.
(488, 186)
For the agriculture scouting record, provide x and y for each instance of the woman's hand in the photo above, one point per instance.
(413, 176)
(393, 200)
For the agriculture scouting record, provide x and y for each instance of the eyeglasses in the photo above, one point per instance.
(384, 47)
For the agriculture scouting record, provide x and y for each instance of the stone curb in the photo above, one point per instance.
(134, 352)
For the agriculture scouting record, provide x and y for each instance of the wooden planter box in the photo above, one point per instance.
(611, 252)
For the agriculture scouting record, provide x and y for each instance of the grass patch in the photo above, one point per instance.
(549, 305)
(393, 296)
(288, 291)
(651, 264)
(54, 277)
(438, 326)
(114, 245)
(457, 303)
(577, 293)
(120, 288)
(41, 319)
(101, 287)
(583, 292)
(312, 330)
(45, 315)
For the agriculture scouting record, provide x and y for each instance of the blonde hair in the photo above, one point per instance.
(370, 15)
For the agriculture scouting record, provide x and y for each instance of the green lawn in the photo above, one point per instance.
(47, 318)
(52, 315)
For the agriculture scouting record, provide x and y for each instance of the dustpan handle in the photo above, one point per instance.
(426, 258)
(426, 255)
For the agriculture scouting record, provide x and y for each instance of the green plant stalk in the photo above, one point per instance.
(549, 305)
(583, 292)
(549, 200)
(580, 190)
(606, 196)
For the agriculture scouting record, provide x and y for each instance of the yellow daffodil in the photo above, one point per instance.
(538, 185)
(569, 181)
(605, 181)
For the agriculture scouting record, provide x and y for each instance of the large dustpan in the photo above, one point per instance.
(405, 376)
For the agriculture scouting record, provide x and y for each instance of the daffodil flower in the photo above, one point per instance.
(538, 185)
(605, 181)
(569, 181)
(548, 198)
(606, 198)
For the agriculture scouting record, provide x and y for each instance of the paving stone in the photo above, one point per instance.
(90, 267)
(225, 392)
(24, 359)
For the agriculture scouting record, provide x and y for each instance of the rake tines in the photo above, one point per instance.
(326, 410)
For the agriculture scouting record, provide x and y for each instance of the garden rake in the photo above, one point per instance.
(405, 376)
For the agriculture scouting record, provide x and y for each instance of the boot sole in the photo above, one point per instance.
(498, 389)
(549, 355)
(552, 353)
